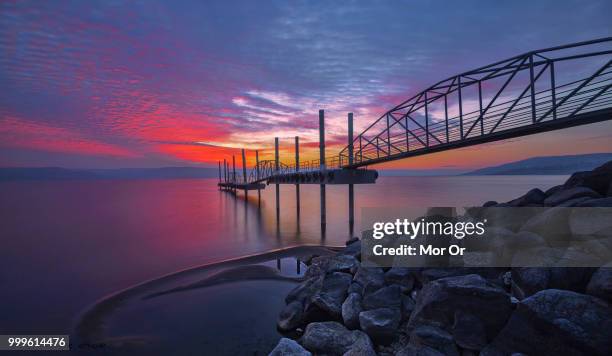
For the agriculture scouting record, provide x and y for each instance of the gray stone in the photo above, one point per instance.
(407, 306)
(597, 203)
(353, 249)
(327, 264)
(591, 222)
(490, 203)
(598, 179)
(534, 196)
(527, 281)
(434, 337)
(333, 293)
(330, 338)
(305, 290)
(600, 284)
(551, 224)
(362, 346)
(414, 350)
(573, 202)
(371, 278)
(380, 324)
(291, 317)
(439, 300)
(288, 347)
(552, 190)
(355, 288)
(401, 276)
(469, 331)
(386, 297)
(570, 193)
(350, 310)
(556, 322)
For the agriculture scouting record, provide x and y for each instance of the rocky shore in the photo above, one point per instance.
(343, 308)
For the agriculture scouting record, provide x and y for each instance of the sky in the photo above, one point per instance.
(108, 84)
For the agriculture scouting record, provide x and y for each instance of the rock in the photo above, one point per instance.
(570, 193)
(553, 190)
(387, 297)
(330, 338)
(353, 249)
(326, 264)
(380, 324)
(469, 331)
(333, 293)
(551, 224)
(439, 301)
(413, 350)
(355, 288)
(591, 223)
(362, 346)
(288, 347)
(371, 278)
(291, 316)
(556, 322)
(534, 196)
(350, 310)
(407, 306)
(598, 179)
(431, 274)
(490, 203)
(401, 276)
(574, 202)
(304, 290)
(598, 203)
(351, 240)
(527, 281)
(434, 337)
(600, 284)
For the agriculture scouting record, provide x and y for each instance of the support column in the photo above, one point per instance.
(244, 174)
(297, 169)
(219, 171)
(257, 175)
(277, 170)
(351, 187)
(322, 165)
(225, 170)
(234, 172)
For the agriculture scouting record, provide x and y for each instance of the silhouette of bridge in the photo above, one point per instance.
(538, 91)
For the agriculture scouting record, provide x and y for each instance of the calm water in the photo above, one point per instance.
(66, 244)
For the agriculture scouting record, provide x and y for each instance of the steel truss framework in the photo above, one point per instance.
(510, 98)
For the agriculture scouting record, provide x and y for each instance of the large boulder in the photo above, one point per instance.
(600, 284)
(380, 324)
(527, 281)
(533, 197)
(386, 297)
(401, 276)
(469, 331)
(598, 179)
(288, 347)
(369, 278)
(438, 302)
(597, 203)
(414, 350)
(332, 294)
(331, 338)
(551, 224)
(351, 309)
(305, 290)
(434, 337)
(556, 322)
(327, 264)
(408, 305)
(570, 193)
(292, 316)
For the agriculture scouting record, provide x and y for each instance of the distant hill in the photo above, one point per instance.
(57, 173)
(549, 165)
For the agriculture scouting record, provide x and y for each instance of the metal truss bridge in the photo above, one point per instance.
(538, 91)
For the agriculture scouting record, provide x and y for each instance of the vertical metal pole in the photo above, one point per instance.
(531, 80)
(276, 169)
(388, 137)
(426, 122)
(225, 170)
(297, 169)
(234, 169)
(244, 175)
(219, 171)
(554, 91)
(480, 106)
(351, 187)
(257, 174)
(322, 165)
(460, 108)
(446, 116)
(407, 133)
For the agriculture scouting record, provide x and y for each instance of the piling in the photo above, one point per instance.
(322, 164)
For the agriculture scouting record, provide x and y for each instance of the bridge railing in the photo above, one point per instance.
(518, 92)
